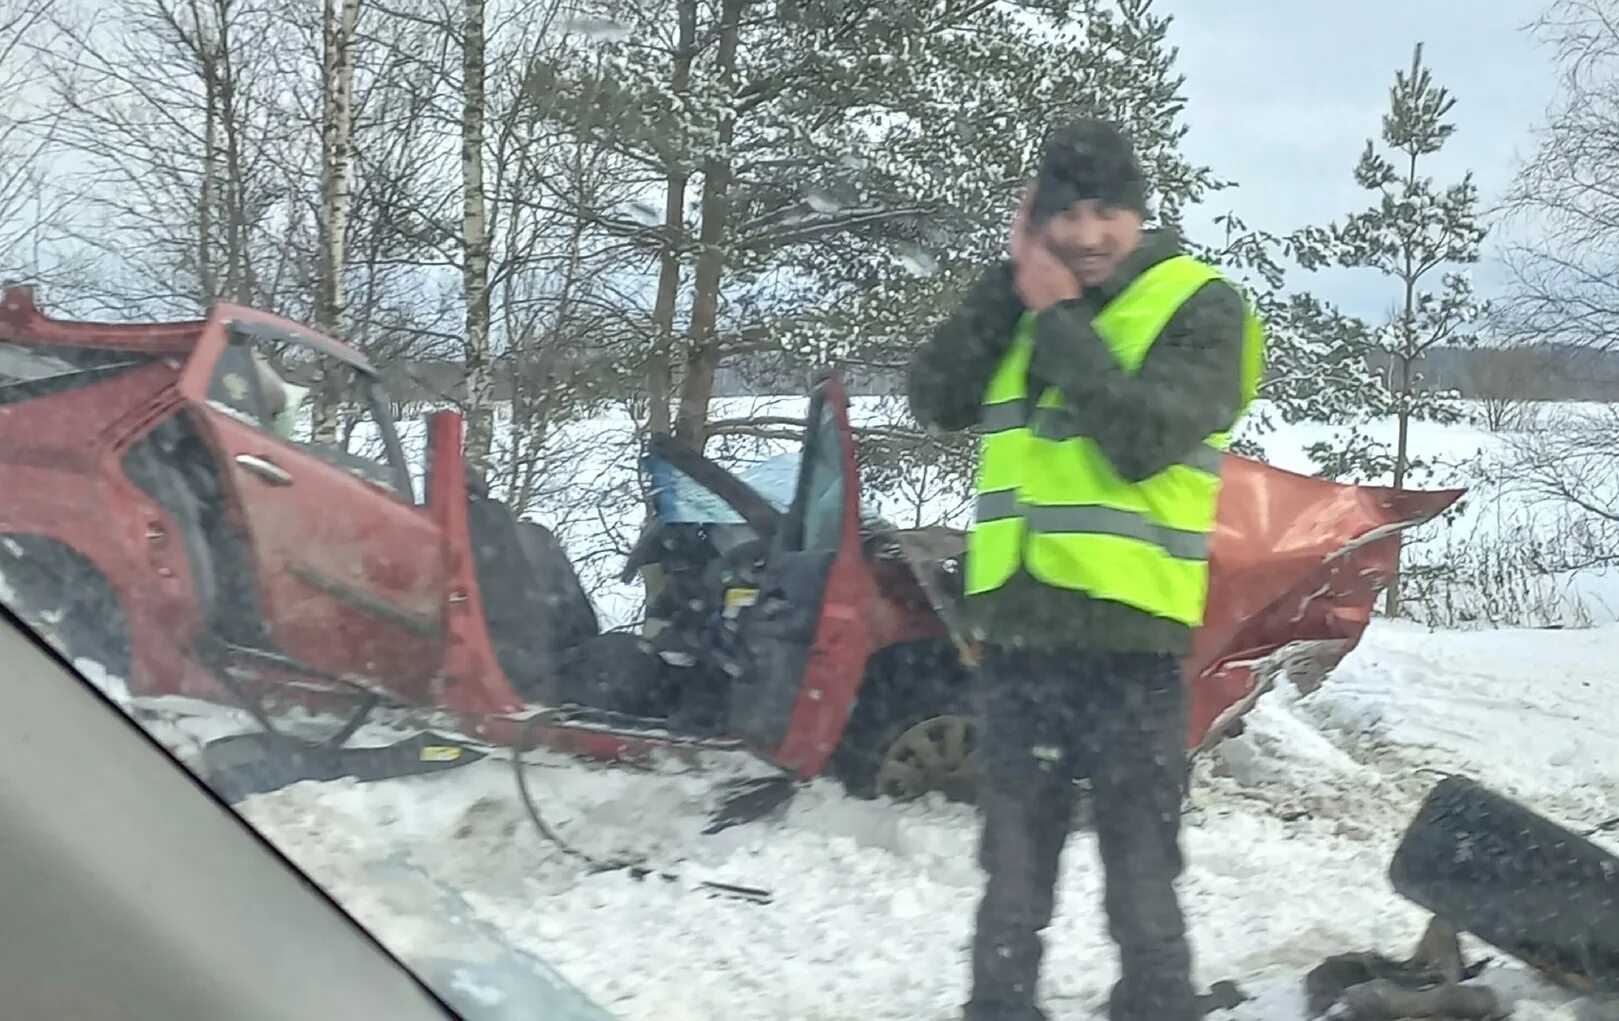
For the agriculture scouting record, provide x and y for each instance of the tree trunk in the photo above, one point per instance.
(538, 388)
(1391, 597)
(703, 350)
(338, 25)
(238, 269)
(1409, 354)
(659, 367)
(207, 278)
(527, 441)
(208, 197)
(337, 158)
(475, 244)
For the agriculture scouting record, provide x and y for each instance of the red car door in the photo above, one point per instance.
(348, 569)
(808, 634)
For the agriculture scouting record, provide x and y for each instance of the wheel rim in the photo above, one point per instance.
(938, 754)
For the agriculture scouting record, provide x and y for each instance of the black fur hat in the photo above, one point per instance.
(1087, 158)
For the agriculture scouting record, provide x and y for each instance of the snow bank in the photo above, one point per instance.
(1287, 843)
(1532, 713)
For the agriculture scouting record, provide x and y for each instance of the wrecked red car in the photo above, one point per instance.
(159, 515)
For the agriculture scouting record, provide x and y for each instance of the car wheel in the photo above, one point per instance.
(63, 597)
(913, 729)
(939, 753)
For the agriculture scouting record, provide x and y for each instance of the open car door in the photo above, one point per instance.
(804, 632)
(347, 570)
(807, 636)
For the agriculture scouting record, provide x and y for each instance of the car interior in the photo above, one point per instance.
(706, 552)
(548, 638)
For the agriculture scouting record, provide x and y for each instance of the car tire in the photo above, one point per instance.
(1515, 879)
(62, 595)
(914, 721)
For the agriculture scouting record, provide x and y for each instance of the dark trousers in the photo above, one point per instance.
(1048, 718)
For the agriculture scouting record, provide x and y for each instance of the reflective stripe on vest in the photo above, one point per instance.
(1050, 501)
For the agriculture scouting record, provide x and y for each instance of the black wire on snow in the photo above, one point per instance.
(521, 748)
(637, 869)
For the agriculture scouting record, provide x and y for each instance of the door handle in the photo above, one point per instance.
(269, 471)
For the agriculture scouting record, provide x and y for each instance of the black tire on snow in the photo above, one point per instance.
(904, 685)
(1491, 867)
(57, 584)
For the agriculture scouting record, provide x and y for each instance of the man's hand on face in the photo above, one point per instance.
(1041, 279)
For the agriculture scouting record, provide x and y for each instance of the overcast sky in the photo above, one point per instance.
(1282, 95)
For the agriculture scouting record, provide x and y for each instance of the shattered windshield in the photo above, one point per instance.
(682, 499)
(794, 510)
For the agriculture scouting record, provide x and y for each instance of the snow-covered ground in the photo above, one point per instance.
(1288, 840)
(1290, 834)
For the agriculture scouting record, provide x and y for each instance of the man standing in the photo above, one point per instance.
(1103, 367)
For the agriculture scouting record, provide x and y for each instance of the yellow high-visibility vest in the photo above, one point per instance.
(1049, 500)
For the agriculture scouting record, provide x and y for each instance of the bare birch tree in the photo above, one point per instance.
(339, 22)
(190, 144)
(475, 239)
(1563, 208)
(27, 134)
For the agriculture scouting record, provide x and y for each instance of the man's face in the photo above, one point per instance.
(1092, 239)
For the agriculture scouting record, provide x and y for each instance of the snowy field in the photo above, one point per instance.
(590, 495)
(1288, 840)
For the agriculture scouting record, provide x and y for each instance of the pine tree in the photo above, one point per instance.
(1413, 232)
(850, 164)
(1315, 365)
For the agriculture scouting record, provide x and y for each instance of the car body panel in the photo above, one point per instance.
(1296, 561)
(822, 692)
(1296, 566)
(363, 589)
(349, 578)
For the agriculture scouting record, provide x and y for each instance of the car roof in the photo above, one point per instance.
(22, 321)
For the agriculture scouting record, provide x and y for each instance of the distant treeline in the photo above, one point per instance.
(1547, 372)
(1541, 373)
